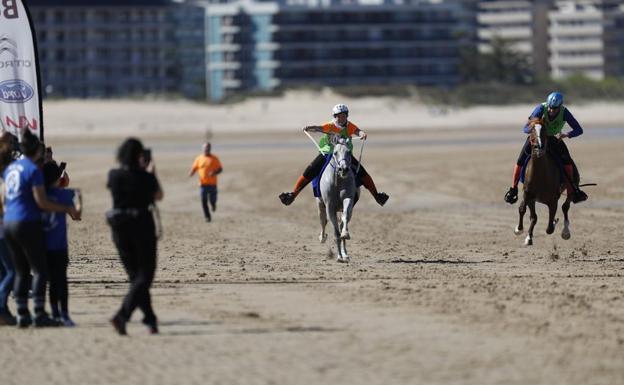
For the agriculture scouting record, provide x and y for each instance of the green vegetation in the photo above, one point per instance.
(501, 76)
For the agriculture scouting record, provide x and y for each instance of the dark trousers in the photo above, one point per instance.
(314, 168)
(136, 243)
(26, 246)
(7, 275)
(206, 192)
(556, 146)
(58, 260)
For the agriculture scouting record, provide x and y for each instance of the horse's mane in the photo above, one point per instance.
(533, 121)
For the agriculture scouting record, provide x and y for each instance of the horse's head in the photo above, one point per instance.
(538, 137)
(342, 157)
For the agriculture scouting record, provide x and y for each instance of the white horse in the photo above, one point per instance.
(338, 195)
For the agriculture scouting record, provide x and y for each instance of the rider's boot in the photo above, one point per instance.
(574, 192)
(380, 197)
(511, 196)
(289, 197)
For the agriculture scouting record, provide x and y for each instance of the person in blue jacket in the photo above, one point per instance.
(55, 230)
(25, 198)
(554, 115)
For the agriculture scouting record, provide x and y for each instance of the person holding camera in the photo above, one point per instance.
(134, 189)
(207, 167)
(25, 198)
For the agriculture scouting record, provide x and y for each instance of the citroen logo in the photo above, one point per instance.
(8, 45)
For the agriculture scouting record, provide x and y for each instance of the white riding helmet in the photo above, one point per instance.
(339, 109)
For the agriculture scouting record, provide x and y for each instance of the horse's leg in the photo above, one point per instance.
(345, 256)
(565, 233)
(333, 218)
(552, 210)
(323, 218)
(521, 212)
(347, 207)
(529, 238)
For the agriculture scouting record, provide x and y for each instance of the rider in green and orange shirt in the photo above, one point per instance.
(341, 126)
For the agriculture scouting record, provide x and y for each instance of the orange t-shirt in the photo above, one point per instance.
(204, 165)
(330, 128)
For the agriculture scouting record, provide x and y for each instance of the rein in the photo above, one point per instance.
(360, 158)
(334, 157)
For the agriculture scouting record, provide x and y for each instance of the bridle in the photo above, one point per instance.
(338, 163)
(538, 145)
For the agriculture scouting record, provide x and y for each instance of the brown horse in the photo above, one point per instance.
(542, 183)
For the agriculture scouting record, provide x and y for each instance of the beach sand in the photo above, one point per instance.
(439, 290)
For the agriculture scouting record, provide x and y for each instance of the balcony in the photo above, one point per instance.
(576, 30)
(581, 61)
(504, 18)
(519, 33)
(576, 45)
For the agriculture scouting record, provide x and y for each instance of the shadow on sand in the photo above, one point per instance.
(439, 261)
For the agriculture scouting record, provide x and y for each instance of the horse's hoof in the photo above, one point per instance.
(528, 241)
(322, 238)
(517, 231)
(565, 234)
(550, 230)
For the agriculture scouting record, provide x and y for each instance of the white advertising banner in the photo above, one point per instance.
(20, 97)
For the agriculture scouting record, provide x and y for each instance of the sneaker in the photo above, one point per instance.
(511, 196)
(287, 198)
(119, 325)
(67, 322)
(44, 321)
(7, 319)
(381, 198)
(152, 328)
(24, 321)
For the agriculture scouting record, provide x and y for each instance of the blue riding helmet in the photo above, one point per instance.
(554, 100)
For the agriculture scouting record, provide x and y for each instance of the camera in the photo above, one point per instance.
(147, 155)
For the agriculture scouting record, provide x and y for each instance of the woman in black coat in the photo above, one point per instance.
(134, 189)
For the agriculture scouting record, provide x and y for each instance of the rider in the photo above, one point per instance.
(555, 116)
(340, 125)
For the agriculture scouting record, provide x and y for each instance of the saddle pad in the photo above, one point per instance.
(316, 182)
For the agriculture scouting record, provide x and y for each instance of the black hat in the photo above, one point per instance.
(51, 173)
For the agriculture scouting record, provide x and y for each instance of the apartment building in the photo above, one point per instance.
(576, 39)
(614, 41)
(523, 24)
(266, 45)
(105, 48)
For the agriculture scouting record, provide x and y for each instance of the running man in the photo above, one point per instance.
(207, 167)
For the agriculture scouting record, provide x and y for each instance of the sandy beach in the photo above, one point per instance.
(290, 113)
(439, 290)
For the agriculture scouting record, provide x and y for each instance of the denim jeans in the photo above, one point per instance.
(26, 245)
(205, 191)
(7, 274)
